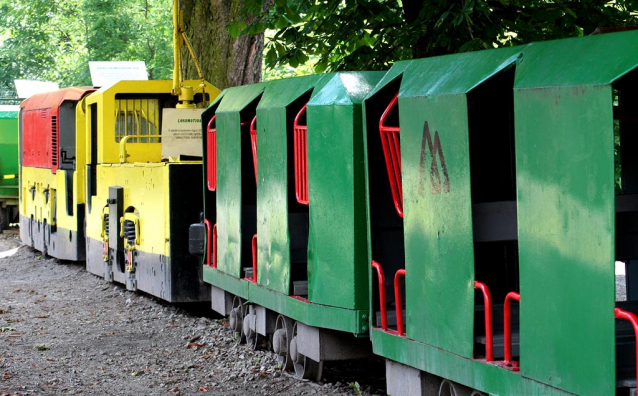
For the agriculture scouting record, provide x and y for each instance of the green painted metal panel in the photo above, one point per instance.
(592, 60)
(9, 151)
(336, 318)
(395, 72)
(231, 284)
(229, 177)
(455, 74)
(437, 199)
(275, 187)
(438, 223)
(488, 378)
(337, 252)
(565, 178)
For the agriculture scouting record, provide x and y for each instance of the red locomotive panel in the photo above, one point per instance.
(41, 126)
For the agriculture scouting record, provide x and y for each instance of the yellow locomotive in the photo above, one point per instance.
(102, 181)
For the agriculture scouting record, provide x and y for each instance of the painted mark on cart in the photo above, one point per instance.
(434, 147)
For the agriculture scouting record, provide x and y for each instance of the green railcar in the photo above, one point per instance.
(496, 221)
(285, 215)
(8, 165)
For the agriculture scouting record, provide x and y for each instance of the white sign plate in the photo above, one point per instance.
(27, 88)
(108, 73)
(181, 132)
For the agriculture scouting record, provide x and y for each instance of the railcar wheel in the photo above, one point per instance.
(236, 320)
(449, 388)
(249, 328)
(281, 342)
(305, 368)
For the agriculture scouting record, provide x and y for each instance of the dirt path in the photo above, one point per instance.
(64, 332)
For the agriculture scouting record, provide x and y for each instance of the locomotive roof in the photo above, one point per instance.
(54, 98)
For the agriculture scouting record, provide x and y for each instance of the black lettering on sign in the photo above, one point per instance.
(434, 147)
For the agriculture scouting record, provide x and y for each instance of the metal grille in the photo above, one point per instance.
(392, 153)
(137, 117)
(253, 143)
(301, 157)
(211, 155)
(54, 141)
(106, 224)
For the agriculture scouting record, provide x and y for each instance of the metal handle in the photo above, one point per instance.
(124, 140)
(487, 298)
(508, 326)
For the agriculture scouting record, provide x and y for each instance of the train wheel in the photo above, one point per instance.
(281, 344)
(250, 328)
(236, 319)
(305, 368)
(449, 388)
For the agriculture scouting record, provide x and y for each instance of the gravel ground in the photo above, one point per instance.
(64, 331)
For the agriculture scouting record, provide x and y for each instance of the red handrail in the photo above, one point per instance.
(301, 158)
(392, 155)
(381, 278)
(253, 143)
(208, 240)
(507, 323)
(211, 156)
(489, 348)
(397, 300)
(622, 314)
(255, 258)
(215, 246)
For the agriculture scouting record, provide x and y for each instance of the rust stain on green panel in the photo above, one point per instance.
(565, 178)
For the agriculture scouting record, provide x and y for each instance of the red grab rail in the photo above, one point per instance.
(215, 246)
(392, 154)
(208, 240)
(255, 258)
(253, 143)
(381, 278)
(622, 314)
(489, 348)
(507, 323)
(211, 155)
(301, 158)
(397, 300)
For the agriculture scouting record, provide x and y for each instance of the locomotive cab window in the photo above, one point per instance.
(137, 117)
(493, 188)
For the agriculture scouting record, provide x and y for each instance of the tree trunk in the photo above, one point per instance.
(225, 61)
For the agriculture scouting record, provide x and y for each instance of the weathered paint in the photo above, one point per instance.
(479, 375)
(437, 201)
(565, 162)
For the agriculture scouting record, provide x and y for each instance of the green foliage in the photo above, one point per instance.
(54, 40)
(372, 34)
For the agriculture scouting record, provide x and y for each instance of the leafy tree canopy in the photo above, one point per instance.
(53, 40)
(372, 34)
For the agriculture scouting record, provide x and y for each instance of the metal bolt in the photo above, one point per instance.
(364, 316)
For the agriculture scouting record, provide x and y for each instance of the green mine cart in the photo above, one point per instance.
(8, 164)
